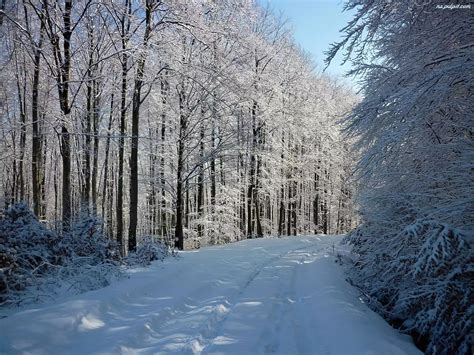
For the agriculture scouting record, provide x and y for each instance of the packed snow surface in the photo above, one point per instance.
(275, 295)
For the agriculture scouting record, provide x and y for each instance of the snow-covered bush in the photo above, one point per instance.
(36, 263)
(413, 132)
(93, 259)
(87, 238)
(422, 277)
(149, 250)
(28, 251)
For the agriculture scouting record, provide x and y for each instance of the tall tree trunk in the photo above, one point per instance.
(110, 202)
(132, 229)
(242, 178)
(106, 159)
(64, 98)
(179, 233)
(200, 194)
(186, 214)
(164, 96)
(124, 31)
(136, 103)
(66, 180)
(62, 66)
(256, 200)
(213, 162)
(281, 215)
(120, 182)
(250, 196)
(19, 180)
(37, 171)
(87, 151)
(95, 129)
(325, 217)
(316, 204)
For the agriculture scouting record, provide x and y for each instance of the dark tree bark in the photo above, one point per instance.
(242, 177)
(37, 168)
(124, 31)
(257, 202)
(62, 69)
(281, 216)
(106, 182)
(200, 194)
(136, 103)
(95, 129)
(324, 209)
(164, 96)
(63, 88)
(87, 151)
(18, 192)
(179, 232)
(316, 204)
(213, 162)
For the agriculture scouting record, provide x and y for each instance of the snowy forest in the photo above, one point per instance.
(199, 121)
(138, 131)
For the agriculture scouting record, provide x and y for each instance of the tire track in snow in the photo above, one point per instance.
(283, 305)
(215, 324)
(212, 313)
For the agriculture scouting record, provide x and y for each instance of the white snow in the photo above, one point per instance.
(275, 295)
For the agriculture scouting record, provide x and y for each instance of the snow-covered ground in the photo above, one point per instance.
(280, 296)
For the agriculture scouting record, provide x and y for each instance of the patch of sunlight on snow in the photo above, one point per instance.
(222, 340)
(295, 262)
(221, 309)
(196, 347)
(222, 282)
(129, 351)
(90, 322)
(158, 298)
(278, 267)
(117, 329)
(252, 304)
(137, 270)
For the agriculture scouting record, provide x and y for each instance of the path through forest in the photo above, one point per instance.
(275, 295)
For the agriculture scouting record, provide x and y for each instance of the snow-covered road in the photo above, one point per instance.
(278, 296)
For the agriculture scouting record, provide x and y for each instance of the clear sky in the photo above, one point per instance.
(316, 25)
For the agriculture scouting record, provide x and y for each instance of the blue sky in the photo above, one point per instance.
(316, 25)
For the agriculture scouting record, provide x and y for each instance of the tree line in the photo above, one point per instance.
(413, 131)
(191, 121)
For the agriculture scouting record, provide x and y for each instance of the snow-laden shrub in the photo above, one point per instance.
(413, 133)
(37, 263)
(93, 259)
(423, 277)
(87, 238)
(149, 250)
(28, 252)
